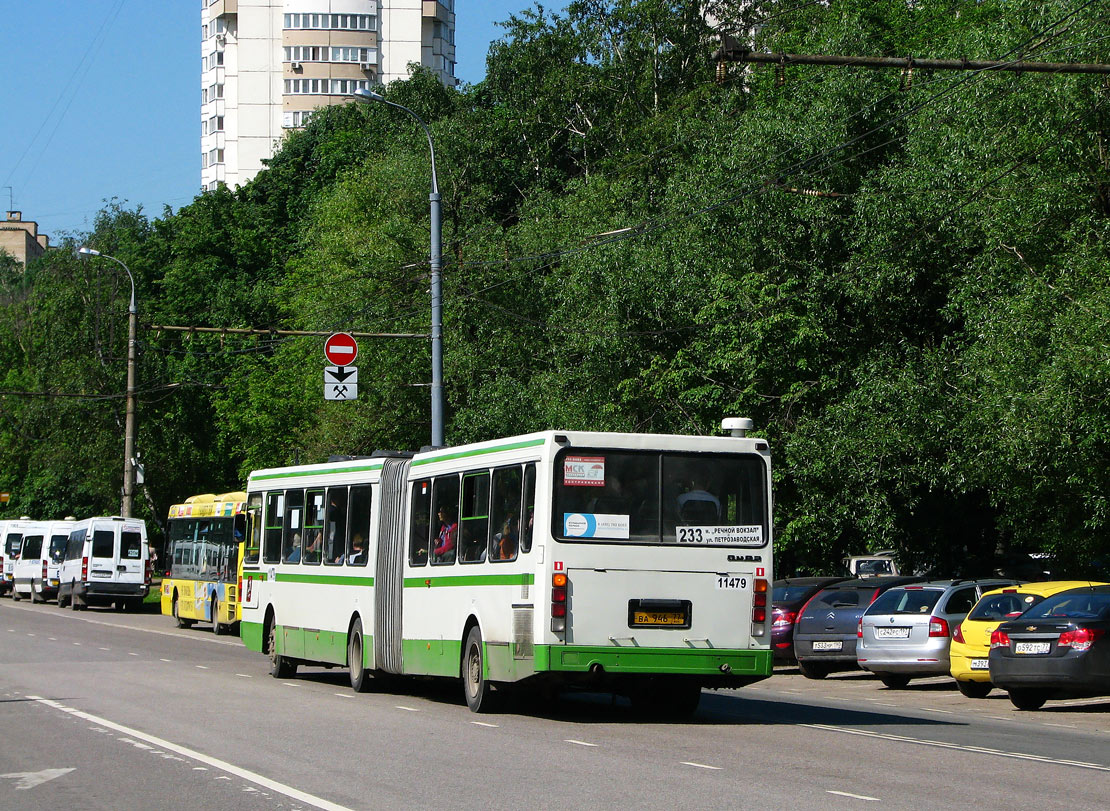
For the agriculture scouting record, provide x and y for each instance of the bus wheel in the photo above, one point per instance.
(16, 596)
(281, 667)
(479, 692)
(217, 628)
(181, 623)
(35, 596)
(360, 677)
(61, 598)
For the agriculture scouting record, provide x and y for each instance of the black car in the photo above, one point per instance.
(825, 632)
(1059, 648)
(788, 595)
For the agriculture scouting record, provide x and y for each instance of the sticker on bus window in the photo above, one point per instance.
(584, 471)
(595, 525)
(746, 535)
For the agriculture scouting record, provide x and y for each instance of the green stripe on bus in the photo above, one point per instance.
(298, 473)
(332, 580)
(520, 579)
(511, 446)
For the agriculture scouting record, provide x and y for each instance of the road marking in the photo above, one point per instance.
(52, 638)
(200, 768)
(344, 695)
(854, 796)
(30, 634)
(29, 780)
(700, 765)
(105, 648)
(885, 736)
(934, 709)
(580, 743)
(407, 709)
(222, 765)
(290, 684)
(1066, 726)
(483, 724)
(244, 676)
(78, 644)
(202, 667)
(129, 653)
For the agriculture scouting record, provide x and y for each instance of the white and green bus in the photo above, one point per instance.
(636, 563)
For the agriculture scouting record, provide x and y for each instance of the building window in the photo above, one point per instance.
(331, 22)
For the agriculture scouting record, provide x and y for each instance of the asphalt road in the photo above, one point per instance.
(107, 710)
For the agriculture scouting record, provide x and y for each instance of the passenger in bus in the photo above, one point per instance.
(698, 506)
(448, 532)
(312, 551)
(358, 551)
(294, 555)
(506, 541)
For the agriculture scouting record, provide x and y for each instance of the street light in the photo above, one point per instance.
(363, 94)
(129, 425)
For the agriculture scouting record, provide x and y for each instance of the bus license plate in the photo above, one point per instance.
(648, 618)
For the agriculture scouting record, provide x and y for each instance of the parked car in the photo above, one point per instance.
(825, 632)
(1059, 648)
(907, 631)
(969, 656)
(788, 595)
(873, 565)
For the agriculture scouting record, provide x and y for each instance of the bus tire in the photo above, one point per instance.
(35, 596)
(181, 623)
(281, 667)
(61, 598)
(16, 596)
(479, 693)
(360, 676)
(217, 628)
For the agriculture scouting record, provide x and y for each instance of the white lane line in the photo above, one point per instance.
(700, 765)
(407, 709)
(244, 676)
(222, 765)
(1065, 726)
(105, 648)
(30, 634)
(290, 684)
(958, 747)
(129, 653)
(484, 724)
(579, 743)
(344, 695)
(202, 667)
(854, 796)
(934, 709)
(165, 660)
(52, 638)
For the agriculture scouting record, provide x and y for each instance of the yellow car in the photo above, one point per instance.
(971, 641)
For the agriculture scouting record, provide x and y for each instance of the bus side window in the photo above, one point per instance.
(313, 535)
(420, 521)
(506, 514)
(291, 534)
(273, 522)
(527, 516)
(445, 506)
(359, 536)
(335, 526)
(474, 518)
(254, 528)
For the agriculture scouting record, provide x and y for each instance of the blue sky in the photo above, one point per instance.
(101, 100)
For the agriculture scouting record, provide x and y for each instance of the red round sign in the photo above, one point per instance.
(340, 349)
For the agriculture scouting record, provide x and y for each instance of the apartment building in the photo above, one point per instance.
(21, 238)
(267, 64)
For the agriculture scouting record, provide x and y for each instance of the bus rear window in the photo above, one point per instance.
(103, 545)
(132, 545)
(58, 547)
(32, 547)
(659, 498)
(12, 546)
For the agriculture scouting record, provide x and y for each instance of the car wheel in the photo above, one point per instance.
(281, 667)
(479, 692)
(1028, 699)
(895, 681)
(360, 676)
(975, 689)
(813, 671)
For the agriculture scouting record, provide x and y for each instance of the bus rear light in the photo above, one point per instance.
(559, 585)
(149, 572)
(759, 607)
(43, 574)
(84, 568)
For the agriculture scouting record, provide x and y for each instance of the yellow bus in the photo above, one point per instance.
(202, 554)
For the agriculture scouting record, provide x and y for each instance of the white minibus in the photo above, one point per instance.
(36, 571)
(106, 562)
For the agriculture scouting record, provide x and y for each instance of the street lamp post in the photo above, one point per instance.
(436, 269)
(129, 425)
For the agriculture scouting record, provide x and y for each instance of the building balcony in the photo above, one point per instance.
(222, 8)
(435, 10)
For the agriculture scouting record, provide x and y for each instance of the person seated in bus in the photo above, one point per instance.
(698, 506)
(506, 541)
(312, 551)
(472, 549)
(358, 551)
(444, 550)
(294, 554)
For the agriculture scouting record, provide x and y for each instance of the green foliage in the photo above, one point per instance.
(904, 279)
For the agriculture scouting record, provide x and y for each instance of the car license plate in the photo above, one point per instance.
(828, 645)
(658, 618)
(1032, 647)
(980, 664)
(891, 633)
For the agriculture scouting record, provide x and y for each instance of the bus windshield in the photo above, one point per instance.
(659, 498)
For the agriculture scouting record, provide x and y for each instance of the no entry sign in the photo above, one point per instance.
(340, 349)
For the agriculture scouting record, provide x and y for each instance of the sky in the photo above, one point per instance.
(101, 101)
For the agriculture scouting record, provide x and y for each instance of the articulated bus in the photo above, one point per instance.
(631, 563)
(202, 557)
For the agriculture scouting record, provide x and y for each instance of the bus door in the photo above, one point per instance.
(104, 553)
